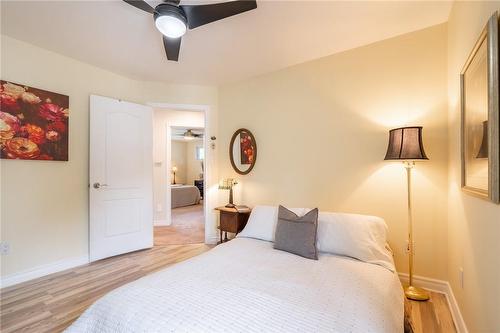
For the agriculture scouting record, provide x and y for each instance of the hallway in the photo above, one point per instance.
(187, 227)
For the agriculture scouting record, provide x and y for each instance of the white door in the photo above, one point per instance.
(120, 177)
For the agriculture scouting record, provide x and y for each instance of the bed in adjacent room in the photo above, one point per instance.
(184, 195)
(246, 285)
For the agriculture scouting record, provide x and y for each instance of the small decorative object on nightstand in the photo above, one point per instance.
(232, 220)
(174, 170)
(227, 184)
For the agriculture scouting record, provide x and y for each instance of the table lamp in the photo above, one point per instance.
(227, 184)
(174, 170)
(405, 144)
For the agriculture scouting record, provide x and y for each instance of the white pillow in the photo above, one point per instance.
(262, 222)
(362, 237)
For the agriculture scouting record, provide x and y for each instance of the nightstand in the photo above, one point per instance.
(232, 220)
(199, 185)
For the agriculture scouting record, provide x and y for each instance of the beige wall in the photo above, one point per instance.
(179, 159)
(474, 224)
(322, 129)
(44, 207)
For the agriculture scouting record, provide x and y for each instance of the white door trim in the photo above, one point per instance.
(210, 172)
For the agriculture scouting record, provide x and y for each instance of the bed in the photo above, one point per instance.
(184, 195)
(246, 285)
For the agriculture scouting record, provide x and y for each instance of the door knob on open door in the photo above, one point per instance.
(98, 185)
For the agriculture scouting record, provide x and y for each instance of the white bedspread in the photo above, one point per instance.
(247, 286)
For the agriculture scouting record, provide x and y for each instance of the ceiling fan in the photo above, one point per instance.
(172, 19)
(190, 135)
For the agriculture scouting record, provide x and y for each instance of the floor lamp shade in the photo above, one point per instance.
(405, 143)
(483, 150)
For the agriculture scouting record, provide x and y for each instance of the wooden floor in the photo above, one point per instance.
(188, 227)
(433, 316)
(52, 303)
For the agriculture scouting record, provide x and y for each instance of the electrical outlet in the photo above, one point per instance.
(461, 276)
(158, 208)
(4, 248)
(407, 247)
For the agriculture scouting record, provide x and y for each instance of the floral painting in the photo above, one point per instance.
(33, 123)
(247, 148)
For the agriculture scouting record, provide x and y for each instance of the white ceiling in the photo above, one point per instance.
(120, 38)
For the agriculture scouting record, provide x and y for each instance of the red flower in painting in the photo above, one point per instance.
(51, 112)
(6, 133)
(21, 148)
(58, 126)
(13, 89)
(10, 120)
(247, 149)
(8, 103)
(52, 136)
(35, 133)
(30, 98)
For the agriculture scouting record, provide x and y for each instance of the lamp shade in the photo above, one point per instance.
(405, 143)
(227, 184)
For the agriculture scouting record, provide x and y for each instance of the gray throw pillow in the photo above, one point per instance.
(297, 234)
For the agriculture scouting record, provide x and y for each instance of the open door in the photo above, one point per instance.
(120, 177)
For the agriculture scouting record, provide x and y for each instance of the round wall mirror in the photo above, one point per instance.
(243, 151)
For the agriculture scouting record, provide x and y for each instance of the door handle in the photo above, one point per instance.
(98, 185)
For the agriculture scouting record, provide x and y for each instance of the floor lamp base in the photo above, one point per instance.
(416, 294)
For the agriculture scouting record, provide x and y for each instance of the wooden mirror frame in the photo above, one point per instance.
(490, 36)
(231, 146)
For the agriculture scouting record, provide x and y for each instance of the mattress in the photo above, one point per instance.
(184, 195)
(247, 286)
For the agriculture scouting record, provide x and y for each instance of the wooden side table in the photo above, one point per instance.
(232, 220)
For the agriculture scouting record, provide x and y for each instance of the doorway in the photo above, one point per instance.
(130, 174)
(181, 210)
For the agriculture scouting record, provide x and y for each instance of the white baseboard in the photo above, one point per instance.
(58, 266)
(161, 223)
(211, 239)
(42, 270)
(444, 288)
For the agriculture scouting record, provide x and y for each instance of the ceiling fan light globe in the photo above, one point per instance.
(170, 26)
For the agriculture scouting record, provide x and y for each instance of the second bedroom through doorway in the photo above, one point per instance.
(179, 177)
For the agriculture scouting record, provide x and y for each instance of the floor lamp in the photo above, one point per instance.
(405, 144)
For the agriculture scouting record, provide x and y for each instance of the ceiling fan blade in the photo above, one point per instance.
(198, 15)
(141, 5)
(172, 47)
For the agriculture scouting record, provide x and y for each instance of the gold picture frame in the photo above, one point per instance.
(480, 122)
